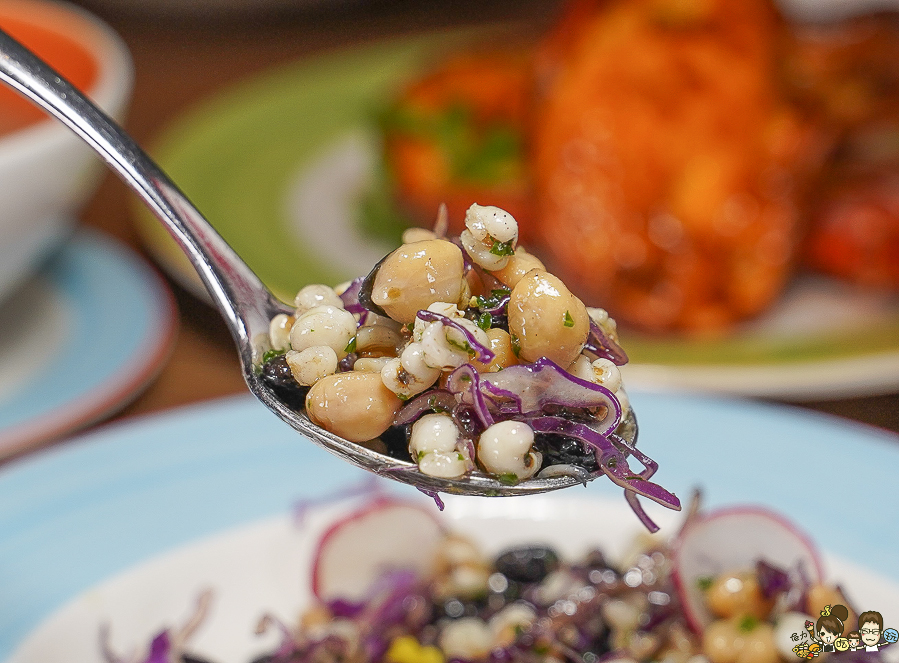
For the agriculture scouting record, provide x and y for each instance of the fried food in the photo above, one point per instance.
(667, 163)
(848, 74)
(455, 136)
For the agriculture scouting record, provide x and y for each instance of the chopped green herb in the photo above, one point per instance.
(748, 623)
(485, 321)
(464, 347)
(569, 321)
(271, 354)
(704, 583)
(493, 299)
(432, 404)
(421, 454)
(351, 346)
(474, 153)
(460, 456)
(508, 478)
(465, 378)
(403, 397)
(516, 344)
(502, 249)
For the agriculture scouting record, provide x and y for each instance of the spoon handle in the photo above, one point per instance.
(244, 301)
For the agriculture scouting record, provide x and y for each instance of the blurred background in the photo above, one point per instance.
(721, 178)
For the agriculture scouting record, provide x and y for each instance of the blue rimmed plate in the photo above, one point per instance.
(124, 526)
(79, 340)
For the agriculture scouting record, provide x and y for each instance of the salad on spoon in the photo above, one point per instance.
(458, 365)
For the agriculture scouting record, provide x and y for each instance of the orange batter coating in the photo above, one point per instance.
(848, 74)
(668, 166)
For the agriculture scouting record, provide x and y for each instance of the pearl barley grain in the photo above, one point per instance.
(312, 364)
(505, 448)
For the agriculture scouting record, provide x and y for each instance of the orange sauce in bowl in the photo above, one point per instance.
(65, 54)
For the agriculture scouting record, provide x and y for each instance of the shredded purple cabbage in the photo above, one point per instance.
(437, 400)
(434, 495)
(613, 462)
(533, 387)
(599, 344)
(465, 382)
(350, 296)
(159, 648)
(772, 580)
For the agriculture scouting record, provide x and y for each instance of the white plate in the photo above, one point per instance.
(79, 340)
(264, 567)
(165, 495)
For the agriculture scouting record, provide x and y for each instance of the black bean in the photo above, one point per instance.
(396, 439)
(561, 450)
(528, 563)
(277, 376)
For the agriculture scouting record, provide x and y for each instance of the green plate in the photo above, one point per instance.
(286, 168)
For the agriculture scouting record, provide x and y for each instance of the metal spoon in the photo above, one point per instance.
(246, 304)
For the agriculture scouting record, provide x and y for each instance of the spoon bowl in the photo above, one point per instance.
(245, 303)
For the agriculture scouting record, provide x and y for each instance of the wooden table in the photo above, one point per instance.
(182, 61)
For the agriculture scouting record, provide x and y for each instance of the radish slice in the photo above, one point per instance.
(364, 545)
(734, 539)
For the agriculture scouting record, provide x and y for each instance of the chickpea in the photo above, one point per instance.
(501, 345)
(759, 645)
(737, 594)
(354, 405)
(547, 319)
(416, 275)
(722, 641)
(519, 264)
(415, 234)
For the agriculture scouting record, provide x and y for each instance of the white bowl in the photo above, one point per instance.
(46, 172)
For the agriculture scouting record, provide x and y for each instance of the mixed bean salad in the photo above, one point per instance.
(464, 354)
(528, 604)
